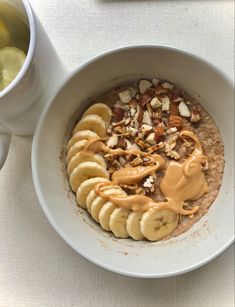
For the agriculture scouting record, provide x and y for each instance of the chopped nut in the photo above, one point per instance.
(132, 131)
(151, 139)
(143, 130)
(168, 85)
(121, 105)
(132, 91)
(112, 141)
(147, 119)
(171, 130)
(139, 114)
(140, 143)
(133, 103)
(134, 146)
(165, 103)
(160, 90)
(144, 99)
(155, 82)
(173, 154)
(122, 143)
(129, 187)
(148, 182)
(144, 85)
(183, 109)
(127, 121)
(147, 161)
(136, 161)
(128, 144)
(155, 103)
(195, 116)
(153, 148)
(120, 130)
(125, 96)
(122, 160)
(118, 114)
(175, 121)
(159, 131)
(149, 109)
(174, 108)
(157, 114)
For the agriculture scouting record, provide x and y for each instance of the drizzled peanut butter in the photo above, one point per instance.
(182, 181)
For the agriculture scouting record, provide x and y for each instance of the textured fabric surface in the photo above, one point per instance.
(36, 267)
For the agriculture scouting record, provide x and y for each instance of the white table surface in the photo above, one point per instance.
(36, 267)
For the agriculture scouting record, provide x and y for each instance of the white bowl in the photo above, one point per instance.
(207, 238)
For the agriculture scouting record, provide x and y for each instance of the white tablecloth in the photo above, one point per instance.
(36, 267)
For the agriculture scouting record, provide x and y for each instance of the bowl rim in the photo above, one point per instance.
(42, 200)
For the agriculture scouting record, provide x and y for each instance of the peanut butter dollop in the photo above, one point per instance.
(182, 181)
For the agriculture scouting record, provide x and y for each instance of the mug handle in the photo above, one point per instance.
(5, 140)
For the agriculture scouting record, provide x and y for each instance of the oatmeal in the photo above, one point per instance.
(147, 162)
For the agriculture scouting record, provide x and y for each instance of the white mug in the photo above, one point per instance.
(22, 101)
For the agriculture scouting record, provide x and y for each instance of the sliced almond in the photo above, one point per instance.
(184, 110)
(125, 96)
(144, 85)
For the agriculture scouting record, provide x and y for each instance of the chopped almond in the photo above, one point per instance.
(144, 85)
(159, 131)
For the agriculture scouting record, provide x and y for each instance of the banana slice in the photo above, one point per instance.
(77, 147)
(81, 135)
(86, 187)
(91, 122)
(157, 223)
(98, 203)
(84, 157)
(85, 171)
(133, 225)
(89, 200)
(117, 222)
(100, 109)
(105, 213)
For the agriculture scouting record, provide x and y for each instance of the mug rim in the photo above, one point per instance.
(30, 53)
(43, 202)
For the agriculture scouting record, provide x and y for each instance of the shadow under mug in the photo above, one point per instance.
(23, 100)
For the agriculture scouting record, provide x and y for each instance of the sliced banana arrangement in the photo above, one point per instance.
(113, 158)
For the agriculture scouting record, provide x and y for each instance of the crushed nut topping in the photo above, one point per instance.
(148, 116)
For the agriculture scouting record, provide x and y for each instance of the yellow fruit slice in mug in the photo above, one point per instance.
(11, 61)
(4, 35)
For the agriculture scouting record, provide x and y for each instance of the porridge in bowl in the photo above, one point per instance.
(145, 160)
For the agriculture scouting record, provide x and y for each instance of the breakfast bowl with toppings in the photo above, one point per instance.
(132, 161)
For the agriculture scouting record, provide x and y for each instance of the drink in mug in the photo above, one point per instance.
(14, 43)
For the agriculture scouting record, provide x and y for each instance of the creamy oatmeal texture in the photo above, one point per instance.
(146, 162)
